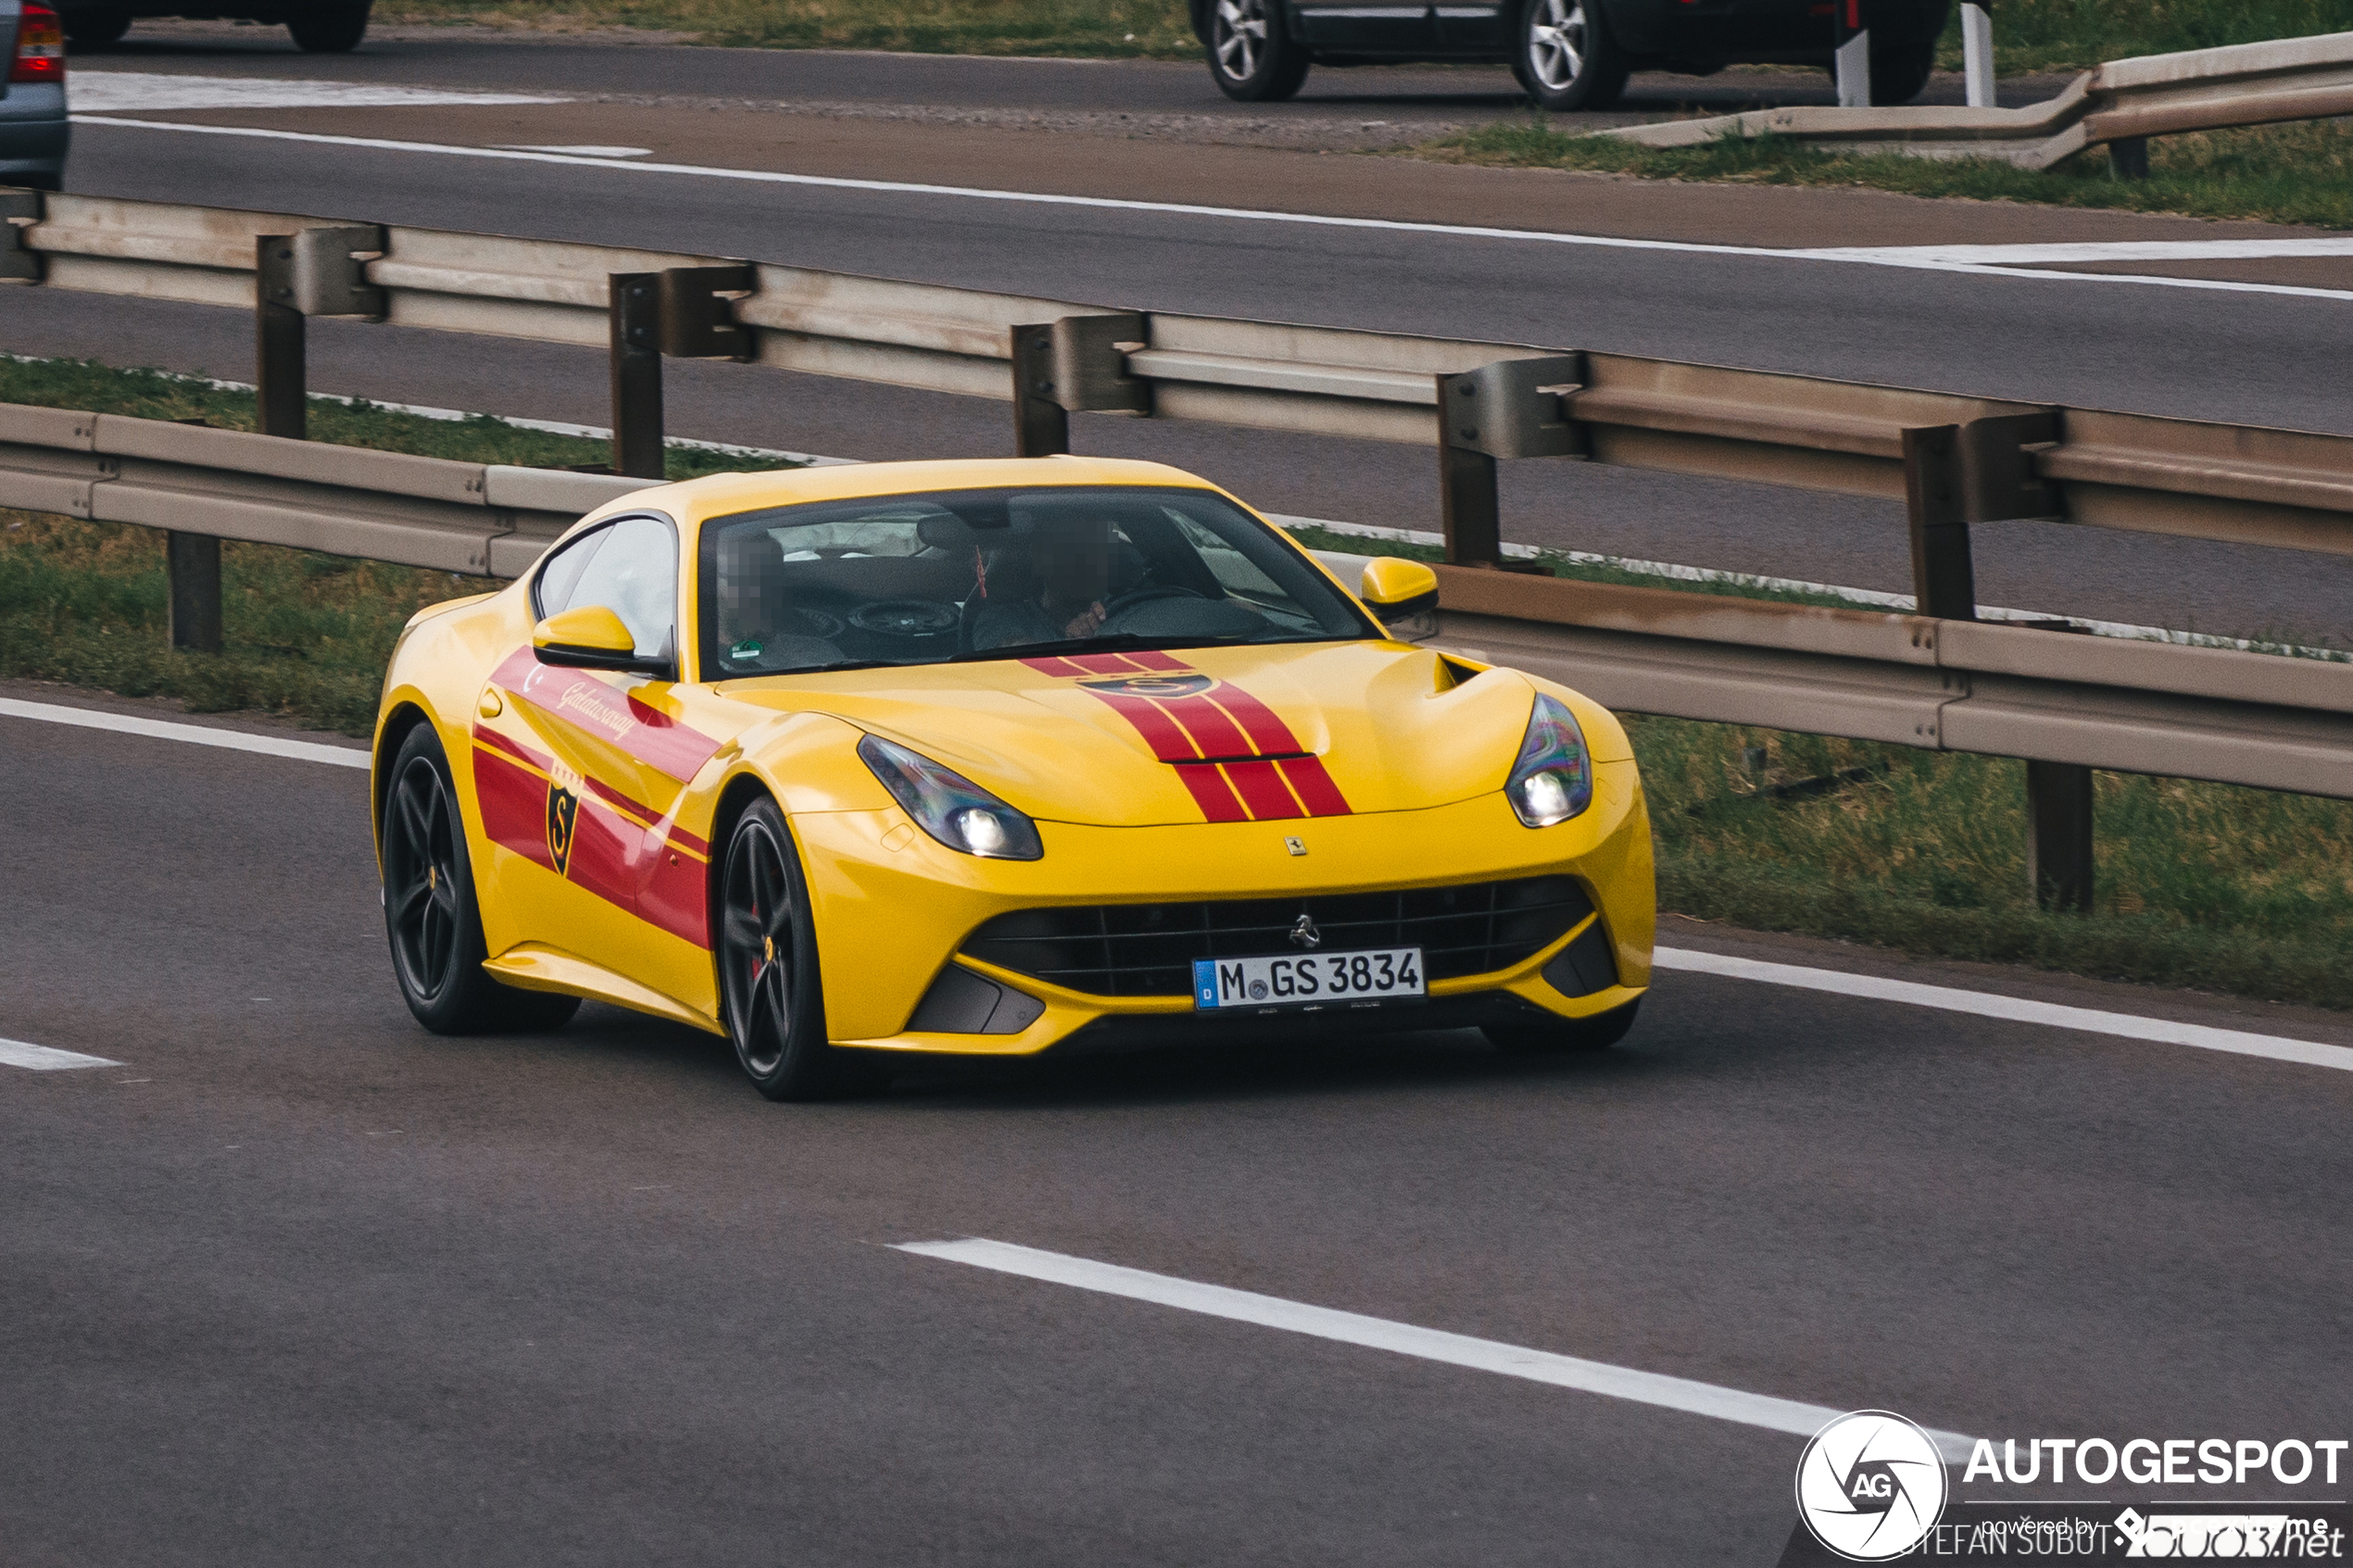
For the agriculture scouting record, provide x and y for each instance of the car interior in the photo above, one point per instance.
(975, 574)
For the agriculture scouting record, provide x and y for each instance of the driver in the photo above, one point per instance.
(1072, 560)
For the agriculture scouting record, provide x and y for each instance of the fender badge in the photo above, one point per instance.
(1294, 846)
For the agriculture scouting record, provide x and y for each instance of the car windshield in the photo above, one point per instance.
(980, 574)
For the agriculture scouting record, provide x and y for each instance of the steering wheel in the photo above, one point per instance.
(1145, 593)
(905, 618)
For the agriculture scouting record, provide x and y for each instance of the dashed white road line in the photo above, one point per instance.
(193, 735)
(46, 1059)
(1900, 257)
(2016, 1009)
(1983, 1004)
(1401, 1338)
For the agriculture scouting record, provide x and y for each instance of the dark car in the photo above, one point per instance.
(320, 27)
(1568, 54)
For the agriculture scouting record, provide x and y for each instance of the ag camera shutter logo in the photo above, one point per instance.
(1870, 1485)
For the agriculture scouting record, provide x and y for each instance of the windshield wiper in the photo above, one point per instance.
(1110, 642)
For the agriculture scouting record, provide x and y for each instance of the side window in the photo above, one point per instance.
(630, 568)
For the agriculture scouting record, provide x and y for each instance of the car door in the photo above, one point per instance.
(580, 774)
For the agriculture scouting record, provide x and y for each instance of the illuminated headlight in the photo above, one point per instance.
(950, 807)
(1552, 780)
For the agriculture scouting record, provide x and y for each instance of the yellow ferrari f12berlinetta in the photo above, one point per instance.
(990, 757)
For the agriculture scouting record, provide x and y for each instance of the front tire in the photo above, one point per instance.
(1254, 60)
(431, 916)
(768, 978)
(331, 27)
(1566, 58)
(1564, 1037)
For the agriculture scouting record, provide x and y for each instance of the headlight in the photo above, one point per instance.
(1552, 781)
(950, 807)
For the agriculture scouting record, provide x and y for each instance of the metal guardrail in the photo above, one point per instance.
(1955, 460)
(483, 518)
(2238, 483)
(1937, 683)
(2121, 102)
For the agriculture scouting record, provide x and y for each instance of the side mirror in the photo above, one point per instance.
(593, 638)
(1404, 594)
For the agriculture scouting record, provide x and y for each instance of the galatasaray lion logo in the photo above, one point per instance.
(563, 813)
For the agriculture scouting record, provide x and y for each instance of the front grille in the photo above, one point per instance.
(1148, 949)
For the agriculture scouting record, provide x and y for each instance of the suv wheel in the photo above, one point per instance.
(1565, 58)
(1898, 73)
(1250, 55)
(330, 27)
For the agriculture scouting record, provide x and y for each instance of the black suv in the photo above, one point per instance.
(1568, 54)
(320, 27)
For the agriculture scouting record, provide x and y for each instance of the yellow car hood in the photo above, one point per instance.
(1192, 734)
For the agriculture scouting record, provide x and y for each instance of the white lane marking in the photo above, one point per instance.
(195, 734)
(582, 149)
(46, 1059)
(2016, 1009)
(106, 90)
(1897, 258)
(1985, 1004)
(2105, 250)
(1405, 1339)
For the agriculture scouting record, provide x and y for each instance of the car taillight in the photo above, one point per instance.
(41, 47)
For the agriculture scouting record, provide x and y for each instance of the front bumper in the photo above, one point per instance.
(893, 907)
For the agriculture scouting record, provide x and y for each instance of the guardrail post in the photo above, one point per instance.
(280, 397)
(635, 311)
(193, 562)
(1073, 366)
(1041, 426)
(1944, 581)
(2129, 156)
(1977, 52)
(1469, 498)
(1511, 408)
(19, 265)
(2058, 843)
(1851, 56)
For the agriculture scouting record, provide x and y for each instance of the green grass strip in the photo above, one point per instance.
(2300, 173)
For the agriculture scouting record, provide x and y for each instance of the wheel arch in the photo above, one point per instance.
(392, 733)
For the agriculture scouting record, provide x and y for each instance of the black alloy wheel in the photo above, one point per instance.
(429, 913)
(1564, 1037)
(1250, 53)
(1566, 58)
(768, 982)
(329, 27)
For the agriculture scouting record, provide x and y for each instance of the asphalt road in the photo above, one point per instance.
(298, 1282)
(2262, 358)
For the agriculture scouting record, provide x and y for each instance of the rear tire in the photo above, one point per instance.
(1254, 60)
(331, 27)
(1565, 57)
(1566, 1036)
(1899, 73)
(431, 917)
(95, 30)
(768, 978)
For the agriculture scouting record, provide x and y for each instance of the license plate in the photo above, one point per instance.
(1311, 980)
